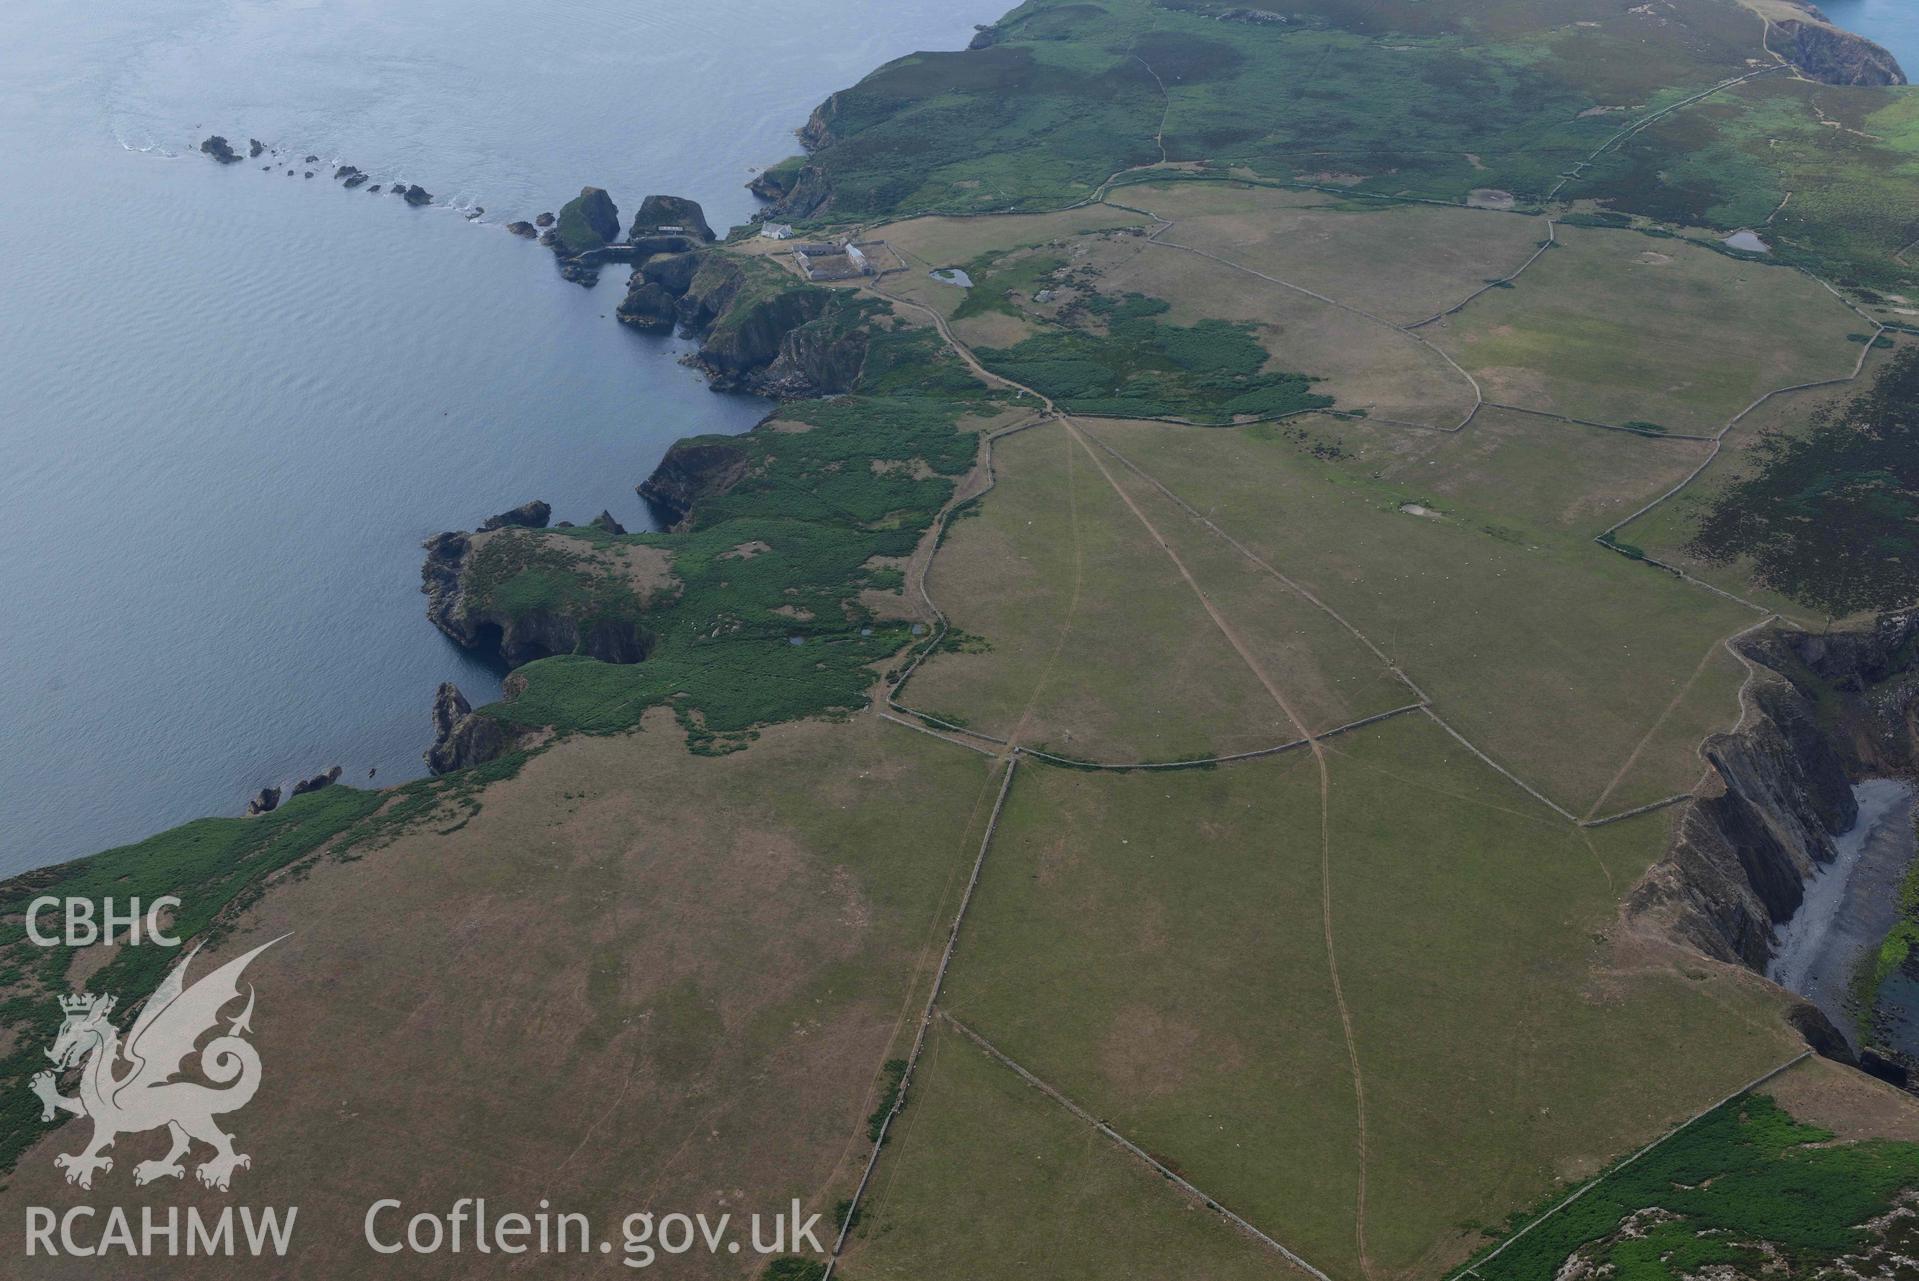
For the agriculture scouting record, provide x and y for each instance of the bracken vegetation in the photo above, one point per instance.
(1429, 101)
(1746, 1188)
(1830, 516)
(1130, 363)
(769, 623)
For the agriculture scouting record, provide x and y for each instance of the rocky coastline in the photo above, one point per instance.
(1823, 711)
(1830, 54)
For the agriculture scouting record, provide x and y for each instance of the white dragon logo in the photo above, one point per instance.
(145, 1096)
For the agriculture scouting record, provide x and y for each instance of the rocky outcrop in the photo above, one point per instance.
(544, 220)
(326, 778)
(533, 515)
(648, 305)
(715, 284)
(522, 229)
(815, 359)
(817, 132)
(1873, 675)
(788, 344)
(264, 801)
(985, 36)
(670, 213)
(515, 638)
(606, 522)
(254, 148)
(806, 191)
(673, 272)
(772, 184)
(810, 193)
(693, 470)
(1831, 55)
(654, 292)
(348, 171)
(1822, 712)
(463, 737)
(415, 194)
(220, 149)
(588, 221)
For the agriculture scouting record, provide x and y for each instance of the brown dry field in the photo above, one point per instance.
(1851, 1104)
(1156, 947)
(1035, 1192)
(637, 979)
(1403, 263)
(1541, 473)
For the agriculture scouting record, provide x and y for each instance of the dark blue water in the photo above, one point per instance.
(232, 403)
(1891, 23)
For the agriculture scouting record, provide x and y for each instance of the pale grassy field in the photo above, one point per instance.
(1097, 648)
(1402, 262)
(1619, 327)
(1364, 365)
(1557, 657)
(990, 1178)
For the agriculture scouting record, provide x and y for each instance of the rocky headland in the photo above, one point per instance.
(516, 592)
(691, 472)
(1831, 54)
(761, 330)
(463, 737)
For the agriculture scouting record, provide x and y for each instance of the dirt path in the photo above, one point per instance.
(1272, 688)
(1632, 758)
(1260, 673)
(1020, 727)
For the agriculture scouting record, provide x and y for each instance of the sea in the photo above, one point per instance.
(234, 399)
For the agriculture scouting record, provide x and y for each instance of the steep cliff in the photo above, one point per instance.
(521, 595)
(762, 330)
(677, 212)
(588, 221)
(693, 469)
(463, 737)
(1831, 55)
(1822, 712)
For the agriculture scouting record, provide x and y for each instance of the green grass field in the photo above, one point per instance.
(1096, 648)
(1036, 1191)
(1171, 976)
(1558, 657)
